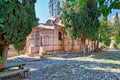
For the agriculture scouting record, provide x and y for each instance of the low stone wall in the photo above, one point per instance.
(12, 52)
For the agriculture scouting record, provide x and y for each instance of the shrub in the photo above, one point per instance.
(19, 46)
(118, 46)
(1, 60)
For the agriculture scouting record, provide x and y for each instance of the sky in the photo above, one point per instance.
(42, 10)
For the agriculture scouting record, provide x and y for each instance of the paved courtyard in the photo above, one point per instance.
(100, 66)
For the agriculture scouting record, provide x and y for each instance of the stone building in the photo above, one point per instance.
(51, 36)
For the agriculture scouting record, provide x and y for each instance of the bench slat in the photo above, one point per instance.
(8, 73)
(13, 64)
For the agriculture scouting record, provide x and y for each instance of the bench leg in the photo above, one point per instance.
(12, 77)
(25, 74)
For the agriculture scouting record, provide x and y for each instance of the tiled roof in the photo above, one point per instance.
(47, 25)
(41, 25)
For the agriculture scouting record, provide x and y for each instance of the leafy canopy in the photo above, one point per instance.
(104, 31)
(80, 20)
(115, 29)
(104, 6)
(16, 20)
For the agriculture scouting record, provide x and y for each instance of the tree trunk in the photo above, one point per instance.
(97, 46)
(83, 44)
(94, 44)
(4, 52)
(18, 52)
(87, 46)
(111, 44)
(72, 45)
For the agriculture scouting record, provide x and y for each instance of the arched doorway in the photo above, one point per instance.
(41, 41)
(61, 41)
(59, 35)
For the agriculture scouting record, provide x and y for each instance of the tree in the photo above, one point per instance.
(105, 6)
(109, 31)
(117, 41)
(117, 25)
(19, 46)
(115, 29)
(104, 31)
(16, 21)
(82, 21)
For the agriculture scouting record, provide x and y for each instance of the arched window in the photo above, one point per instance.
(58, 8)
(59, 36)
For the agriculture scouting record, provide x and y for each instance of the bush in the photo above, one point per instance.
(1, 60)
(104, 46)
(118, 46)
(19, 46)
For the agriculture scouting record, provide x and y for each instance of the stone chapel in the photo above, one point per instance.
(51, 36)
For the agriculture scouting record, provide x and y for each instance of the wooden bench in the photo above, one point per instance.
(14, 72)
(11, 65)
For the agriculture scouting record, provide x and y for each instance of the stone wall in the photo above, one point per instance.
(47, 40)
(12, 52)
(51, 37)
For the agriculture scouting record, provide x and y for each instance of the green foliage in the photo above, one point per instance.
(118, 46)
(1, 20)
(103, 46)
(16, 20)
(117, 39)
(106, 40)
(114, 26)
(1, 60)
(83, 19)
(19, 46)
(104, 6)
(115, 30)
(104, 31)
(117, 6)
(110, 29)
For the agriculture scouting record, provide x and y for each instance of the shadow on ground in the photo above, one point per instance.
(100, 66)
(49, 69)
(109, 55)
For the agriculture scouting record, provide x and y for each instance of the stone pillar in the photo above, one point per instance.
(112, 44)
(40, 51)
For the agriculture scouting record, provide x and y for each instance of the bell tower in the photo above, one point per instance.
(55, 8)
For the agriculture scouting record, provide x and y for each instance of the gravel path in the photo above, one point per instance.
(101, 66)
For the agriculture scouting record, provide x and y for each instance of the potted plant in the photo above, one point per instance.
(1, 62)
